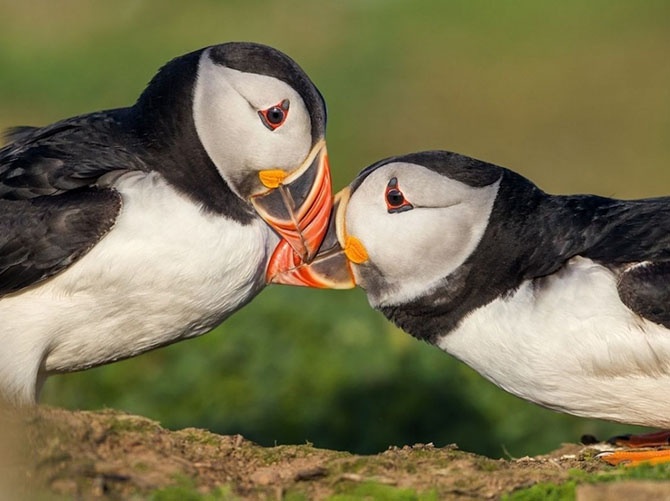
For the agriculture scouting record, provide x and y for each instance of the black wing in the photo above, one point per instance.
(630, 232)
(42, 236)
(19, 132)
(51, 212)
(645, 289)
(632, 238)
(64, 156)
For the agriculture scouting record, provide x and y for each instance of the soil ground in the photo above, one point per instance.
(59, 454)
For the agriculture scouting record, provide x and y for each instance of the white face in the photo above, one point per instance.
(226, 113)
(414, 249)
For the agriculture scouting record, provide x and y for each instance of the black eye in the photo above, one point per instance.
(275, 115)
(395, 200)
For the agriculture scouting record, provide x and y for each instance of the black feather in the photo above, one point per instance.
(18, 133)
(41, 236)
(645, 290)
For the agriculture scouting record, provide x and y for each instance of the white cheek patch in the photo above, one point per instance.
(414, 250)
(225, 111)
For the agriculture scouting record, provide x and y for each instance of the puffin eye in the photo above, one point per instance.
(275, 116)
(395, 200)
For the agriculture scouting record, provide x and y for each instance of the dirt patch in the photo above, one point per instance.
(112, 455)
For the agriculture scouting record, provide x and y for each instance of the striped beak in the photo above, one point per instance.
(329, 269)
(298, 205)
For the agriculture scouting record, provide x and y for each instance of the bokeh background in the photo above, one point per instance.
(574, 95)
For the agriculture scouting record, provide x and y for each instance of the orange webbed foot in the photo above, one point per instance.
(636, 457)
(649, 448)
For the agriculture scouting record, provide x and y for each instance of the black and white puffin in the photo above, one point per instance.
(128, 229)
(561, 300)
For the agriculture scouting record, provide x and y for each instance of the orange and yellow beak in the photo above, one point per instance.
(331, 266)
(298, 205)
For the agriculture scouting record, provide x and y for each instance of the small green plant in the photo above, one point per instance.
(375, 490)
(185, 490)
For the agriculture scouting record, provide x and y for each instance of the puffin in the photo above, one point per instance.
(562, 300)
(129, 229)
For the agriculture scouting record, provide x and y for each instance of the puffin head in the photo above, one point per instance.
(402, 226)
(254, 117)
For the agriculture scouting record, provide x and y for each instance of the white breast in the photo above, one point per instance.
(571, 345)
(166, 271)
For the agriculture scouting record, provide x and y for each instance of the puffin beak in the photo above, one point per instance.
(298, 205)
(330, 268)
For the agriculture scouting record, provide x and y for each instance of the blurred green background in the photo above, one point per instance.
(573, 94)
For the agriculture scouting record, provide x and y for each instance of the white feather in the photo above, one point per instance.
(572, 346)
(166, 271)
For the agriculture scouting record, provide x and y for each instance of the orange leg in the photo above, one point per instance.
(654, 447)
(637, 457)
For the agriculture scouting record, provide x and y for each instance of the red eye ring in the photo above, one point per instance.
(275, 116)
(395, 199)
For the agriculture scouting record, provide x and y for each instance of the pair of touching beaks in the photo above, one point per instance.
(330, 268)
(313, 250)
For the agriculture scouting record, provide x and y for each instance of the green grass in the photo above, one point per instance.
(375, 490)
(574, 95)
(545, 492)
